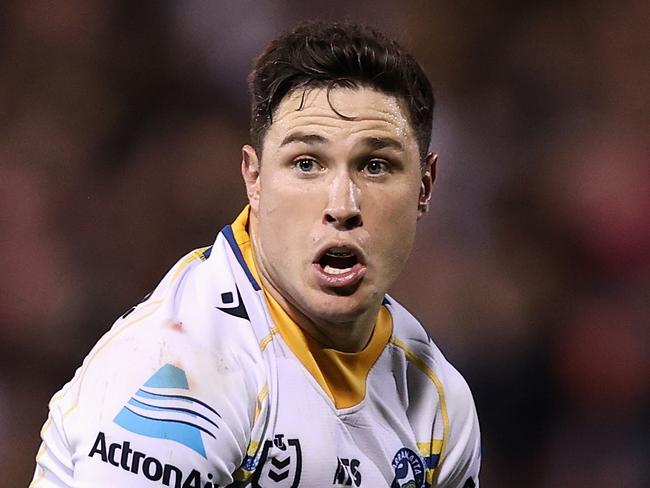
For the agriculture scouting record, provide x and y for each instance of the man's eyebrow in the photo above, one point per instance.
(383, 142)
(372, 142)
(303, 138)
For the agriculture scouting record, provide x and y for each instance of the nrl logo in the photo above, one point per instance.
(284, 464)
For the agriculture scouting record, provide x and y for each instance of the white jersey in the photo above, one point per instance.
(208, 383)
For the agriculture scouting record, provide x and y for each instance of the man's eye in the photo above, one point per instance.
(306, 165)
(376, 167)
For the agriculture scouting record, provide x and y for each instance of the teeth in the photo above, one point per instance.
(339, 252)
(335, 271)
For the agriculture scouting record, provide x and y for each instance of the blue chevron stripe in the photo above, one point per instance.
(146, 406)
(186, 434)
(173, 421)
(158, 396)
(230, 237)
(430, 462)
(152, 396)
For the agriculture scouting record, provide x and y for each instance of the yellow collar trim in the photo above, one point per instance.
(342, 375)
(240, 232)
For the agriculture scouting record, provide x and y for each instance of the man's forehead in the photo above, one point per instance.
(335, 107)
(348, 102)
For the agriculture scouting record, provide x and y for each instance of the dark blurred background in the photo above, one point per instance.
(120, 132)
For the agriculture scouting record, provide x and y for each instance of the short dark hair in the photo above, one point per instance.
(333, 54)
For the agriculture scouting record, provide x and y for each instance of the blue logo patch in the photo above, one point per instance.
(160, 409)
(409, 470)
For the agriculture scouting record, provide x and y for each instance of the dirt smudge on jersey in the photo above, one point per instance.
(177, 326)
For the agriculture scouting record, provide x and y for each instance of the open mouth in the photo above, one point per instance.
(338, 260)
(340, 268)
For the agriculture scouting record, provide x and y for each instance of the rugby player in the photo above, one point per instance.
(275, 357)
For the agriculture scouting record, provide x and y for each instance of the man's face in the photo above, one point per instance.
(335, 200)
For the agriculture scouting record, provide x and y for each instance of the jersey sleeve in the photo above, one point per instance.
(460, 464)
(158, 402)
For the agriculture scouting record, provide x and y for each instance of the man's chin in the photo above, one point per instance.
(339, 306)
(344, 291)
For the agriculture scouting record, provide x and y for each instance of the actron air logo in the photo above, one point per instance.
(162, 409)
(139, 463)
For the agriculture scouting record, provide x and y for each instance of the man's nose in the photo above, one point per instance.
(343, 209)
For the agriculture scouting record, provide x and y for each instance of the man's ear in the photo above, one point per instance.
(250, 170)
(426, 183)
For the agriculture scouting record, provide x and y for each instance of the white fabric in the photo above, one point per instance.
(182, 392)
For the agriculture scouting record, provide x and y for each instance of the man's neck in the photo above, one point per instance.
(345, 336)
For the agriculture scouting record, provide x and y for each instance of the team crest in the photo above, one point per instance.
(280, 464)
(409, 470)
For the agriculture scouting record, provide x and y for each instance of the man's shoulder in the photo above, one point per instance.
(410, 336)
(180, 328)
(176, 378)
(413, 341)
(195, 307)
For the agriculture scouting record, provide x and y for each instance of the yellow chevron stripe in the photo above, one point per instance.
(260, 400)
(424, 367)
(268, 338)
(192, 256)
(428, 448)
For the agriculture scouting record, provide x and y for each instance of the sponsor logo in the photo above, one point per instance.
(231, 306)
(409, 470)
(347, 472)
(138, 463)
(162, 409)
(284, 466)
